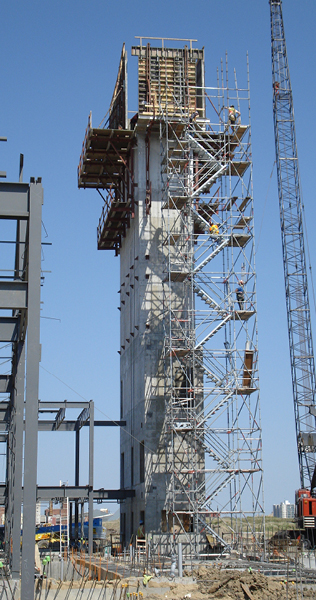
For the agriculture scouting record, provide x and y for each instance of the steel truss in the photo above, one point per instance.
(295, 272)
(212, 425)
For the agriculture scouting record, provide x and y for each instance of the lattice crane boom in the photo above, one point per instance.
(295, 273)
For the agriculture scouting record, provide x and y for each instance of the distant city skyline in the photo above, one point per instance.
(284, 510)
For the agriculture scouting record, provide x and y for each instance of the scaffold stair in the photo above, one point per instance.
(202, 152)
(209, 374)
(206, 185)
(218, 406)
(213, 332)
(219, 382)
(224, 462)
(219, 488)
(214, 455)
(207, 299)
(213, 533)
(198, 218)
(215, 252)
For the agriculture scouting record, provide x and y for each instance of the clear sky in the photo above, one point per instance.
(59, 61)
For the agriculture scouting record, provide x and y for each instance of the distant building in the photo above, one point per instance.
(285, 510)
(55, 515)
(38, 513)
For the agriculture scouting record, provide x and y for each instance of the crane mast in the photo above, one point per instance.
(294, 263)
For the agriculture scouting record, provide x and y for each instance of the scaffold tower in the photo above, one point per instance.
(176, 180)
(212, 427)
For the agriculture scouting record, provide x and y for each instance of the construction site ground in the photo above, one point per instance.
(204, 582)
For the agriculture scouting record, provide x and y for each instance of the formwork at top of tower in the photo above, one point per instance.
(170, 83)
(212, 429)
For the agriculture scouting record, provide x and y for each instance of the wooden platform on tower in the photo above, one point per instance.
(106, 164)
(103, 161)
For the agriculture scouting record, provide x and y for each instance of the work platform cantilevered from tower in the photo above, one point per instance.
(176, 181)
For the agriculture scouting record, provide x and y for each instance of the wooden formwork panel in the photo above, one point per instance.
(168, 87)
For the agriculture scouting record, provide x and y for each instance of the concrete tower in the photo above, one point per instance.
(187, 351)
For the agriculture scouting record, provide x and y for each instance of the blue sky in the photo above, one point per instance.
(59, 61)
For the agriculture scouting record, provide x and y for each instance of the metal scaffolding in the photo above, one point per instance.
(212, 425)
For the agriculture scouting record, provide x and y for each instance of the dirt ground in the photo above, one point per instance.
(234, 585)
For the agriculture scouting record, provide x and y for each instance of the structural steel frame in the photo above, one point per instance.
(19, 332)
(20, 408)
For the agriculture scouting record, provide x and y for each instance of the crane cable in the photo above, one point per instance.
(265, 204)
(305, 234)
(116, 421)
(308, 253)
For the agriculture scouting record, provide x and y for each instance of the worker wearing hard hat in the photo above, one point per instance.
(233, 113)
(213, 228)
(240, 294)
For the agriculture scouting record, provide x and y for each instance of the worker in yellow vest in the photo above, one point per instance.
(213, 228)
(140, 531)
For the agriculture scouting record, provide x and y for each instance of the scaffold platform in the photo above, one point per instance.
(103, 158)
(113, 223)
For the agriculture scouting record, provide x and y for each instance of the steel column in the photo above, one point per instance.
(18, 458)
(77, 482)
(31, 391)
(91, 461)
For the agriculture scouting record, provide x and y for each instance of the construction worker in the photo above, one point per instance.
(276, 88)
(213, 228)
(240, 294)
(233, 113)
(192, 117)
(140, 531)
(192, 120)
(134, 120)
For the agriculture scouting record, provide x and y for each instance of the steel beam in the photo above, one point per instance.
(60, 417)
(8, 329)
(13, 294)
(49, 425)
(81, 492)
(113, 494)
(72, 492)
(14, 200)
(62, 404)
(73, 425)
(83, 418)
